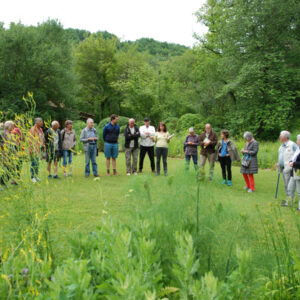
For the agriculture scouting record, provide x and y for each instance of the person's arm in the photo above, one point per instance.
(83, 136)
(96, 134)
(142, 133)
(295, 147)
(104, 132)
(136, 133)
(214, 139)
(152, 131)
(127, 135)
(75, 139)
(254, 149)
(201, 140)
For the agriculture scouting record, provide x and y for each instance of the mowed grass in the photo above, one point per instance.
(78, 204)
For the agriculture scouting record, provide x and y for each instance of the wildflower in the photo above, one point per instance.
(97, 179)
(104, 212)
(131, 191)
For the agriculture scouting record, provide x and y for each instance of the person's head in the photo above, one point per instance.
(162, 127)
(55, 125)
(147, 122)
(9, 126)
(69, 124)
(114, 119)
(224, 134)
(38, 122)
(90, 123)
(284, 136)
(248, 136)
(298, 140)
(208, 128)
(131, 122)
(192, 131)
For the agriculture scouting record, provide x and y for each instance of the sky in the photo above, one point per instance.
(164, 20)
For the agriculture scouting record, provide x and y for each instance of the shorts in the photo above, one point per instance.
(54, 156)
(111, 150)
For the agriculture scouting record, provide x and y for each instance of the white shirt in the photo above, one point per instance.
(146, 140)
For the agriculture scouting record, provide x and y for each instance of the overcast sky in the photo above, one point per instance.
(164, 20)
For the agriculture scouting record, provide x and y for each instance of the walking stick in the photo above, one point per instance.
(277, 186)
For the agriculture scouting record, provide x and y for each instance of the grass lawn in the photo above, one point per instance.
(77, 204)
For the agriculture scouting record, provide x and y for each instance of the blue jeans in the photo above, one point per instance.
(34, 168)
(67, 154)
(90, 155)
(195, 160)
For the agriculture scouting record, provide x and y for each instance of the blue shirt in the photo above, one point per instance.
(91, 133)
(223, 150)
(111, 133)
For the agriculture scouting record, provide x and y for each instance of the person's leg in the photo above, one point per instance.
(49, 167)
(246, 180)
(195, 160)
(187, 162)
(114, 155)
(128, 160)
(135, 154)
(252, 182)
(55, 167)
(151, 157)
(87, 162)
(212, 160)
(165, 160)
(291, 189)
(298, 191)
(143, 151)
(158, 156)
(70, 154)
(65, 157)
(94, 162)
(223, 168)
(286, 178)
(228, 164)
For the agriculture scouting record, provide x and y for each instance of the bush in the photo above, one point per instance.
(190, 120)
(171, 123)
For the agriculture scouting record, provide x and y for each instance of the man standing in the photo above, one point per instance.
(89, 138)
(131, 147)
(53, 147)
(285, 156)
(36, 142)
(147, 144)
(111, 133)
(190, 148)
(208, 141)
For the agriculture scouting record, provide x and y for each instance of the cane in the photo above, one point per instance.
(277, 186)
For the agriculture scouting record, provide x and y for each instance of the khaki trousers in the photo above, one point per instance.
(211, 159)
(134, 153)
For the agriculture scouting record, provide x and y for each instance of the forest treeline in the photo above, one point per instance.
(243, 74)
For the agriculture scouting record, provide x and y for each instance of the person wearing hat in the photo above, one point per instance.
(190, 148)
(294, 182)
(147, 132)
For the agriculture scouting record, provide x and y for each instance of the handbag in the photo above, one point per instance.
(246, 160)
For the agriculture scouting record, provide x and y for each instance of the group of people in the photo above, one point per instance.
(224, 151)
(55, 144)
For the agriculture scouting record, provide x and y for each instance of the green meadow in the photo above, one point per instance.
(147, 236)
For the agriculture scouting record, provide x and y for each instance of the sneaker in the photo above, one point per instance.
(224, 181)
(55, 177)
(135, 173)
(97, 175)
(128, 174)
(250, 191)
(246, 188)
(33, 180)
(37, 179)
(157, 174)
(49, 176)
(229, 183)
(116, 173)
(284, 203)
(166, 174)
(298, 209)
(87, 175)
(65, 174)
(140, 171)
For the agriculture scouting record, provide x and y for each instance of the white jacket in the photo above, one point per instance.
(288, 153)
(146, 140)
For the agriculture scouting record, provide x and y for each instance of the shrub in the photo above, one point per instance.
(189, 120)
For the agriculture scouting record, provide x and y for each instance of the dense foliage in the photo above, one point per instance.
(243, 74)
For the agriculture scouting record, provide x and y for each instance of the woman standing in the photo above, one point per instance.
(227, 153)
(162, 139)
(249, 161)
(68, 140)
